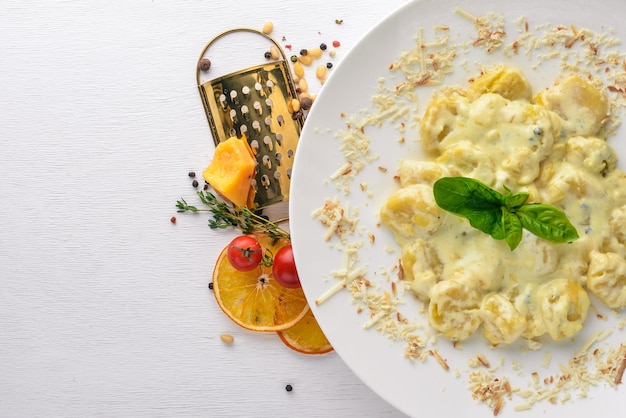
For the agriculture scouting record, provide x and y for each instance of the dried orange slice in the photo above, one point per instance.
(253, 299)
(306, 336)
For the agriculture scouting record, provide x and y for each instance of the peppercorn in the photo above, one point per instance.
(173, 219)
(288, 388)
(304, 52)
(336, 44)
(211, 285)
(194, 183)
(306, 103)
(206, 186)
(267, 55)
(323, 46)
(293, 58)
(192, 174)
(329, 65)
(205, 64)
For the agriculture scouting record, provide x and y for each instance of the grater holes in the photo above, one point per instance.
(245, 113)
(278, 157)
(258, 108)
(233, 97)
(267, 162)
(280, 119)
(289, 173)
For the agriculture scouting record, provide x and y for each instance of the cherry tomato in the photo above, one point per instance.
(284, 268)
(245, 253)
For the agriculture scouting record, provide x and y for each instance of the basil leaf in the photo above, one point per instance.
(473, 200)
(488, 220)
(516, 200)
(460, 194)
(503, 216)
(512, 229)
(547, 222)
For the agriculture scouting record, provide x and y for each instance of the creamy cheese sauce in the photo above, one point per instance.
(553, 146)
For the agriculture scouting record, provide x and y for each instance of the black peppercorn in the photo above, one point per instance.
(306, 103)
(192, 174)
(293, 58)
(211, 285)
(288, 388)
(323, 46)
(329, 65)
(304, 52)
(268, 55)
(205, 64)
(194, 183)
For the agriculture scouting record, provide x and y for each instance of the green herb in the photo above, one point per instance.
(503, 216)
(225, 216)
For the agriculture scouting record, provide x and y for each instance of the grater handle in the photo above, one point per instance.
(234, 30)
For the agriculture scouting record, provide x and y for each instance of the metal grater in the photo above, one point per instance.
(255, 103)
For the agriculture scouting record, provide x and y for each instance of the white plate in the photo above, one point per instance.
(421, 388)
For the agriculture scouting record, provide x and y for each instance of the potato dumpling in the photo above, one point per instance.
(454, 309)
(420, 172)
(606, 278)
(463, 158)
(578, 102)
(502, 323)
(440, 118)
(617, 223)
(509, 83)
(485, 268)
(412, 211)
(601, 160)
(536, 255)
(563, 304)
(525, 300)
(421, 266)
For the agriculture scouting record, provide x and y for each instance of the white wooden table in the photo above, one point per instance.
(104, 305)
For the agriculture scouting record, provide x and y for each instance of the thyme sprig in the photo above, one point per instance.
(225, 216)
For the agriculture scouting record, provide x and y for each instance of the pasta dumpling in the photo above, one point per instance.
(420, 172)
(606, 278)
(578, 102)
(454, 309)
(508, 82)
(502, 323)
(564, 305)
(421, 266)
(412, 211)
